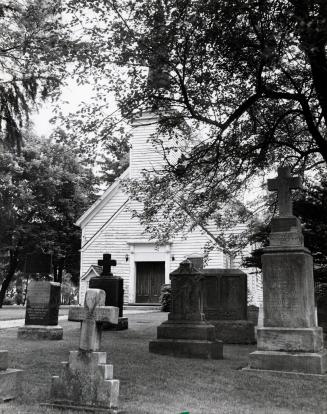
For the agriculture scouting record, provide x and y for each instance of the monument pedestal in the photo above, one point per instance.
(10, 379)
(40, 332)
(234, 332)
(187, 339)
(289, 339)
(186, 333)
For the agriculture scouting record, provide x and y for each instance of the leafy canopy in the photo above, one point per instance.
(42, 193)
(251, 74)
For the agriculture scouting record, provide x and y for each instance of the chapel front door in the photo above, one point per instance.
(150, 276)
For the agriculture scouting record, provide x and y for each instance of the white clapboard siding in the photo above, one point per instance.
(144, 154)
(104, 214)
(114, 239)
(108, 226)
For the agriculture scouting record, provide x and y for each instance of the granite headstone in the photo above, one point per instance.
(186, 333)
(114, 289)
(42, 310)
(289, 339)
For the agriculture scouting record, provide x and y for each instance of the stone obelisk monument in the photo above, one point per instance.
(290, 339)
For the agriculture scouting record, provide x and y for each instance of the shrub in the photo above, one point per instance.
(8, 301)
(165, 298)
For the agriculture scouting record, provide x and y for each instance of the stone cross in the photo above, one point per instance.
(106, 264)
(92, 315)
(283, 184)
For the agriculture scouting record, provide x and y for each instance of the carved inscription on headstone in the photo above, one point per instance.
(284, 302)
(42, 306)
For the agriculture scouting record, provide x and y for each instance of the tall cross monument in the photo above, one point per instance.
(290, 339)
(283, 184)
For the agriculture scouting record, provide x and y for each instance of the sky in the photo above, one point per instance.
(72, 96)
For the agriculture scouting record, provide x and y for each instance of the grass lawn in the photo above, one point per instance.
(156, 384)
(11, 312)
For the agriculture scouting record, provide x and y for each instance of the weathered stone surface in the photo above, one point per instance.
(283, 184)
(290, 339)
(42, 305)
(184, 330)
(91, 316)
(225, 294)
(186, 334)
(3, 360)
(86, 380)
(234, 332)
(253, 314)
(39, 332)
(308, 363)
(10, 384)
(288, 294)
(186, 293)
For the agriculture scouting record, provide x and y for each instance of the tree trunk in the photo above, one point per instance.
(13, 262)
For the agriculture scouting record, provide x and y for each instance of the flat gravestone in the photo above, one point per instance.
(42, 311)
(225, 303)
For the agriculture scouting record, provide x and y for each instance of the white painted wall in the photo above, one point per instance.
(109, 228)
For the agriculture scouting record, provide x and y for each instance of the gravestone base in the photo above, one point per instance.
(86, 382)
(40, 332)
(301, 362)
(290, 339)
(234, 332)
(121, 326)
(187, 339)
(10, 379)
(72, 408)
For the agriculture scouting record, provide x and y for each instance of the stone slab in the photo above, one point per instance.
(290, 339)
(121, 326)
(288, 294)
(10, 384)
(187, 348)
(69, 408)
(39, 332)
(3, 360)
(184, 330)
(42, 304)
(292, 373)
(234, 332)
(305, 362)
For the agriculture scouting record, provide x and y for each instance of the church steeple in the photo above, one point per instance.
(158, 76)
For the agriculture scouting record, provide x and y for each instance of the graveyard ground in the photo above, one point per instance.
(8, 313)
(157, 384)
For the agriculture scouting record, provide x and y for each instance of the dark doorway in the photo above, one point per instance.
(150, 276)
